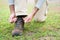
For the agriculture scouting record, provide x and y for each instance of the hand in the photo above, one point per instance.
(28, 18)
(12, 18)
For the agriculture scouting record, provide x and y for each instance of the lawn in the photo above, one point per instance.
(48, 30)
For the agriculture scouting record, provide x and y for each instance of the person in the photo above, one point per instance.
(19, 7)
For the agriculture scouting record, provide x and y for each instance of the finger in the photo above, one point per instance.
(11, 21)
(27, 20)
(15, 19)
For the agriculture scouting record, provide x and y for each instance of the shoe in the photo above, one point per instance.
(19, 27)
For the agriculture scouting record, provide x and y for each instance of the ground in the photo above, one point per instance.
(48, 30)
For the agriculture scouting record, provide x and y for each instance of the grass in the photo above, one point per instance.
(49, 29)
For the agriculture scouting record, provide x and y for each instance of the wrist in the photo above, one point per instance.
(13, 14)
(35, 10)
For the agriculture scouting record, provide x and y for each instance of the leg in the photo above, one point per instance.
(42, 13)
(20, 9)
(40, 17)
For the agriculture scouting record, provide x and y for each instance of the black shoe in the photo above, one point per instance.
(19, 27)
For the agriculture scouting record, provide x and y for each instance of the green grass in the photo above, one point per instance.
(33, 30)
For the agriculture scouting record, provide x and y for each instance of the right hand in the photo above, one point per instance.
(12, 18)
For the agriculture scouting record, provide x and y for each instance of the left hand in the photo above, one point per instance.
(28, 18)
(31, 15)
